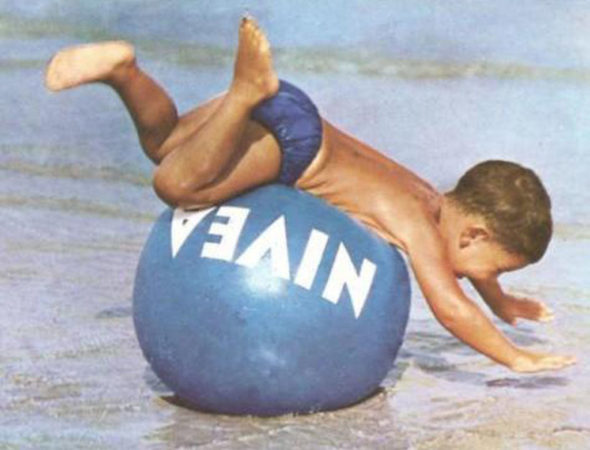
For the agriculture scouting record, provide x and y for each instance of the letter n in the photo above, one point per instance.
(343, 273)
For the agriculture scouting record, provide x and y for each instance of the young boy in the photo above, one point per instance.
(261, 130)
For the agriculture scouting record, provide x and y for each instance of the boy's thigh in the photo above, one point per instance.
(259, 163)
(190, 122)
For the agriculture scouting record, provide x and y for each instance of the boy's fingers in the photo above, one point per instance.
(546, 314)
(546, 318)
(509, 320)
(564, 361)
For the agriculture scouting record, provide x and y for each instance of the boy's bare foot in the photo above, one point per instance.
(254, 77)
(524, 308)
(88, 63)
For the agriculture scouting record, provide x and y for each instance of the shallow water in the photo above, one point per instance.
(436, 87)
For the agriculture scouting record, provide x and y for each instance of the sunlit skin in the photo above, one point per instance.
(215, 152)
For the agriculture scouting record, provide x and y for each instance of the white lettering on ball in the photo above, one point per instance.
(272, 240)
(229, 233)
(183, 224)
(343, 273)
(312, 257)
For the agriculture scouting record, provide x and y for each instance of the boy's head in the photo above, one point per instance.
(513, 204)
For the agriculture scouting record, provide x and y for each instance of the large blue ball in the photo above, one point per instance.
(272, 303)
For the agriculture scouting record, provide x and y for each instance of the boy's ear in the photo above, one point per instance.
(473, 234)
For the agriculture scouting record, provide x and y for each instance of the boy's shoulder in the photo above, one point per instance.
(386, 196)
(410, 219)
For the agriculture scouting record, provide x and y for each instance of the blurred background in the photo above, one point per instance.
(437, 86)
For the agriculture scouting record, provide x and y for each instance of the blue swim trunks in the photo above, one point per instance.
(295, 123)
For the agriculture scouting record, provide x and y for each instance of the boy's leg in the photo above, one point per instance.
(219, 150)
(202, 152)
(215, 151)
(154, 114)
(113, 63)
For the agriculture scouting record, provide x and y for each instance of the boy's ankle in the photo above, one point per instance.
(241, 97)
(123, 74)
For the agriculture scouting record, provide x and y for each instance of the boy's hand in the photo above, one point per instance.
(529, 362)
(460, 315)
(511, 308)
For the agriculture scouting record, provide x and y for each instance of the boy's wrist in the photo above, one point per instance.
(490, 291)
(516, 359)
(520, 361)
(526, 361)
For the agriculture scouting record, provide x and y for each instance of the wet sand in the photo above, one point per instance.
(76, 207)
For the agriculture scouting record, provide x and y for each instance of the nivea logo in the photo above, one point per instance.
(273, 241)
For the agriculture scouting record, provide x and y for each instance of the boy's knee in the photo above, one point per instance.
(153, 149)
(177, 192)
(170, 188)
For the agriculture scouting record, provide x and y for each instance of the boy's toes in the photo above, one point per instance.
(249, 23)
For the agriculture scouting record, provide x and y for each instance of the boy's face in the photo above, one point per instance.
(471, 248)
(483, 259)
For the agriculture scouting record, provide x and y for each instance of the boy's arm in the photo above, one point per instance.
(507, 307)
(459, 314)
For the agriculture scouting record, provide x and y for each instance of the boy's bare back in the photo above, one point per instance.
(363, 182)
